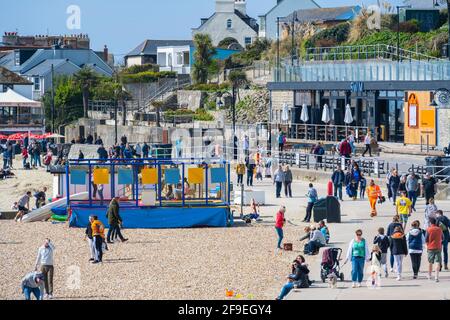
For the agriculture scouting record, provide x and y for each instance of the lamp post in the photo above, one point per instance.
(293, 52)
(398, 30)
(278, 50)
(53, 99)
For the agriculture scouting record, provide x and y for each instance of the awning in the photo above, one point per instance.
(10, 98)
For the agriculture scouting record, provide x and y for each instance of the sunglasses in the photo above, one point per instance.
(359, 234)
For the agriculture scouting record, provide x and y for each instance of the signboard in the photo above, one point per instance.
(413, 113)
(357, 87)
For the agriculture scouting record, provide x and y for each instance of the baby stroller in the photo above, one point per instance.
(330, 264)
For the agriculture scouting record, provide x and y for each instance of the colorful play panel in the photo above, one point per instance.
(154, 193)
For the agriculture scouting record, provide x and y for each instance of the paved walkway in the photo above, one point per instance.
(355, 215)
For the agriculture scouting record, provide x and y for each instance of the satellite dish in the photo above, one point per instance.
(442, 98)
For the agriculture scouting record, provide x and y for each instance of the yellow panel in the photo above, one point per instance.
(427, 118)
(196, 175)
(149, 176)
(101, 176)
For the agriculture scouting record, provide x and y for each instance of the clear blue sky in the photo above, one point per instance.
(123, 24)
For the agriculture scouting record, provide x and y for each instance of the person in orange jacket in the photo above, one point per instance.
(373, 192)
(98, 235)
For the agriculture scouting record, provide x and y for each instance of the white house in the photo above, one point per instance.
(174, 58)
(229, 21)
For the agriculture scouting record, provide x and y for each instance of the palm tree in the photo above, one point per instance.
(204, 51)
(238, 79)
(85, 78)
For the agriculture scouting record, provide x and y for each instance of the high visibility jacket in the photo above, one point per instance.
(373, 191)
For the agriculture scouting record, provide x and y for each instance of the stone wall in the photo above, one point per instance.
(443, 133)
(190, 99)
(279, 98)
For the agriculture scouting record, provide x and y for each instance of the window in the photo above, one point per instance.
(162, 59)
(229, 24)
(169, 60)
(179, 58)
(36, 84)
(248, 41)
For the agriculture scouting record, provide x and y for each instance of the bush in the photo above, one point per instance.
(330, 37)
(203, 115)
(147, 76)
(199, 115)
(210, 87)
(411, 26)
(141, 68)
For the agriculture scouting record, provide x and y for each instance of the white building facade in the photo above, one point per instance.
(230, 21)
(174, 58)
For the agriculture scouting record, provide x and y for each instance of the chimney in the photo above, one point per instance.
(241, 6)
(105, 53)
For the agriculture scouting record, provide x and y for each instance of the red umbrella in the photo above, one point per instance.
(17, 136)
(36, 136)
(3, 137)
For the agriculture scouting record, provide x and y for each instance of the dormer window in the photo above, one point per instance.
(229, 24)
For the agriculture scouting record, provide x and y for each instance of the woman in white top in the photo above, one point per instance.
(367, 142)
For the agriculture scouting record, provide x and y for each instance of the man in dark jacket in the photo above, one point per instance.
(145, 150)
(444, 223)
(114, 221)
(390, 231)
(338, 179)
(429, 187)
(102, 153)
(288, 182)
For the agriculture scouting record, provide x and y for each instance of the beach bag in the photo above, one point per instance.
(287, 246)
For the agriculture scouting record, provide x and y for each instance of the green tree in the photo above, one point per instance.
(204, 52)
(86, 78)
(68, 102)
(238, 79)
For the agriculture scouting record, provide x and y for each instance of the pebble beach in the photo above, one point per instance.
(154, 264)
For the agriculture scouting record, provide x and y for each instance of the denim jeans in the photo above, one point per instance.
(279, 185)
(312, 246)
(398, 258)
(394, 190)
(412, 195)
(114, 232)
(309, 209)
(285, 290)
(357, 269)
(27, 291)
(249, 179)
(288, 189)
(445, 248)
(240, 178)
(98, 241)
(416, 259)
(338, 190)
(280, 237)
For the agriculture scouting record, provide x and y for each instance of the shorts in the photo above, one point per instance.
(404, 218)
(23, 209)
(434, 256)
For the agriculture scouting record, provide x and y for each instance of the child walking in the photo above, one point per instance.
(375, 267)
(382, 241)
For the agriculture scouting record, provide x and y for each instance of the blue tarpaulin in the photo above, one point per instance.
(156, 218)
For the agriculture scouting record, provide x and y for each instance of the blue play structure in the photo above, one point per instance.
(154, 193)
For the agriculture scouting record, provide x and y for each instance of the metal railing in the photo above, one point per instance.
(365, 52)
(323, 132)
